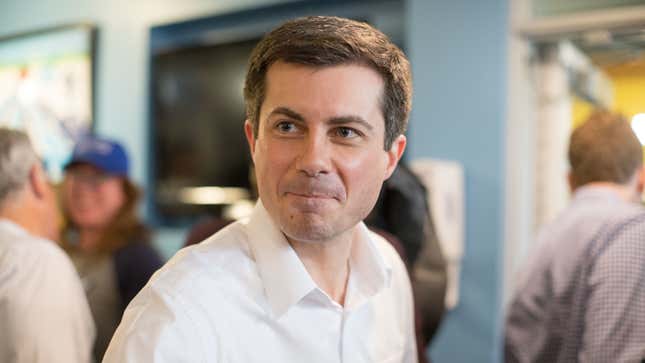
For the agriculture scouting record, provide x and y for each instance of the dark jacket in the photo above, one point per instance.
(403, 211)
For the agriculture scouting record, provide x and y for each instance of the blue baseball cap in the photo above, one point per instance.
(105, 154)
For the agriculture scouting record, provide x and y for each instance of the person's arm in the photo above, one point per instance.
(157, 328)
(56, 323)
(134, 265)
(615, 313)
(430, 282)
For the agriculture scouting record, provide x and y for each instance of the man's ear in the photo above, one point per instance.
(571, 182)
(394, 154)
(38, 181)
(640, 183)
(248, 131)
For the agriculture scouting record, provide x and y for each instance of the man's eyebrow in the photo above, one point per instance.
(285, 111)
(339, 120)
(342, 120)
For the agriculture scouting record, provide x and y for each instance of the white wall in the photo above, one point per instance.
(520, 148)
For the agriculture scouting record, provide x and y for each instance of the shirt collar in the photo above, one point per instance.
(12, 226)
(597, 192)
(285, 278)
(369, 271)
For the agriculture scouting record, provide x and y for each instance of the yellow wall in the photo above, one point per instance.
(580, 110)
(629, 92)
(629, 88)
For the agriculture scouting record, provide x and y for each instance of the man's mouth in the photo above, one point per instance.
(314, 189)
(313, 195)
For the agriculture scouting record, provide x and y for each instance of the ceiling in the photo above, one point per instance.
(608, 49)
(610, 37)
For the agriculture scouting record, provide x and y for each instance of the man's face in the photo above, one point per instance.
(318, 155)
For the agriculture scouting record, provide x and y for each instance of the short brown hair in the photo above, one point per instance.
(604, 149)
(321, 41)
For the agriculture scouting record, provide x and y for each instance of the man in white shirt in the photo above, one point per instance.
(302, 280)
(44, 316)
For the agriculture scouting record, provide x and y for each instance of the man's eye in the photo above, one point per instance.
(346, 132)
(286, 127)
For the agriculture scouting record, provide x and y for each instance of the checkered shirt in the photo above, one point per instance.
(582, 298)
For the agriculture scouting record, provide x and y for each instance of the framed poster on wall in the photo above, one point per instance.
(46, 88)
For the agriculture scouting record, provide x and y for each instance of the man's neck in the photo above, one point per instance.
(624, 192)
(328, 263)
(24, 217)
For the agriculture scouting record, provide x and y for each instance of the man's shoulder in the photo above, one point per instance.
(38, 276)
(197, 286)
(580, 223)
(218, 263)
(390, 256)
(622, 234)
(385, 248)
(30, 255)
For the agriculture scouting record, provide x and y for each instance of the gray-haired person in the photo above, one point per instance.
(44, 316)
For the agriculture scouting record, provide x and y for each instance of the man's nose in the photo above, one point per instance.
(315, 155)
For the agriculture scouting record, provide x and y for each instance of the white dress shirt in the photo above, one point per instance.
(243, 295)
(44, 316)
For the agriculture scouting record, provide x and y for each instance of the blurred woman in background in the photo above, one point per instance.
(104, 237)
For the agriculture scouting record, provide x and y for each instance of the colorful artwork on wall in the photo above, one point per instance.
(46, 89)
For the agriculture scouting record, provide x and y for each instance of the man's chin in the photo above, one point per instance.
(307, 231)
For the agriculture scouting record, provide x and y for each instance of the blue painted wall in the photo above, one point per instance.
(458, 54)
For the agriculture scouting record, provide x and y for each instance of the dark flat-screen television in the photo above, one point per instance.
(201, 155)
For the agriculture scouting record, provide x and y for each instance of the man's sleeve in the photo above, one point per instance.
(615, 314)
(156, 328)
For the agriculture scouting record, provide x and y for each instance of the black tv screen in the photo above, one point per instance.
(198, 117)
